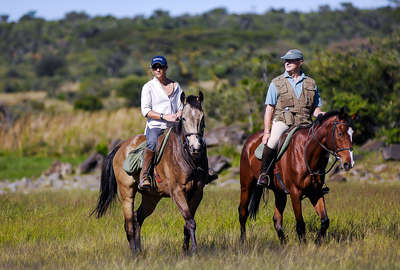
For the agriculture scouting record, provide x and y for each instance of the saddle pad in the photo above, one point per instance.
(259, 150)
(134, 161)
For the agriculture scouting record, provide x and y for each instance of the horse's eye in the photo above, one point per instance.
(183, 119)
(340, 134)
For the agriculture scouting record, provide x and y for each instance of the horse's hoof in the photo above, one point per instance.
(325, 190)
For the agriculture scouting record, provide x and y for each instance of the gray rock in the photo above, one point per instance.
(372, 146)
(380, 168)
(12, 187)
(391, 152)
(232, 135)
(218, 163)
(337, 178)
(56, 183)
(93, 162)
(55, 176)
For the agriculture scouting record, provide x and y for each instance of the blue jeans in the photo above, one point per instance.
(152, 137)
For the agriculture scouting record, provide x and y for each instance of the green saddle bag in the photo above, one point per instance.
(134, 161)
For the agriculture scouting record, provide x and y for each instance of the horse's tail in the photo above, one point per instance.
(255, 198)
(108, 185)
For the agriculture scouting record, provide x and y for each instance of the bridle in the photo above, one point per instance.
(333, 152)
(185, 144)
(187, 134)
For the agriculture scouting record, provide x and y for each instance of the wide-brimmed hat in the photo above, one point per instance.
(293, 54)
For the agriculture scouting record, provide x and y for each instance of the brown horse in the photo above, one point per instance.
(300, 172)
(180, 174)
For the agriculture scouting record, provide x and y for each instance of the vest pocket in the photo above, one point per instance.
(286, 101)
(309, 93)
(289, 118)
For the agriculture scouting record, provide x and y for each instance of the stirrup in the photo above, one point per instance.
(261, 183)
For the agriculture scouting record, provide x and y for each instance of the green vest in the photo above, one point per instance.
(289, 109)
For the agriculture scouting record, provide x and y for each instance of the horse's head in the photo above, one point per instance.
(342, 139)
(193, 122)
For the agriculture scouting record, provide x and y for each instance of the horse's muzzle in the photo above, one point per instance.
(346, 166)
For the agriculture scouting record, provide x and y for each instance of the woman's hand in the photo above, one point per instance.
(171, 117)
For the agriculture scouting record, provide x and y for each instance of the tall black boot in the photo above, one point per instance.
(266, 166)
(144, 174)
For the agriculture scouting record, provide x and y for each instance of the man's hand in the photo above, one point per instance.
(266, 137)
(318, 111)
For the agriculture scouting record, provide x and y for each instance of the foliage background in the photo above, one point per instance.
(100, 63)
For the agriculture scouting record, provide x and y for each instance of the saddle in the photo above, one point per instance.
(282, 146)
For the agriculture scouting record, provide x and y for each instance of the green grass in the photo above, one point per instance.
(53, 231)
(14, 167)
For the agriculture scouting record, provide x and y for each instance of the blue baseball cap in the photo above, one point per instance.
(293, 54)
(159, 60)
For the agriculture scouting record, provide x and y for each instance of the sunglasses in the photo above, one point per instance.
(157, 66)
(292, 60)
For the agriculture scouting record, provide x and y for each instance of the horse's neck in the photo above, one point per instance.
(182, 158)
(317, 137)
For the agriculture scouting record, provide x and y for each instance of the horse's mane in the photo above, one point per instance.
(176, 126)
(322, 118)
(194, 102)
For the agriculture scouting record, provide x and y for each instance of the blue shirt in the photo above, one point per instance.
(272, 94)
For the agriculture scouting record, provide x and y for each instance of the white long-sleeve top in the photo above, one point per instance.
(155, 99)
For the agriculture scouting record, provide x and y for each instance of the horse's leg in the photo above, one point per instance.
(145, 209)
(280, 204)
(300, 225)
(127, 207)
(128, 197)
(190, 226)
(194, 202)
(245, 189)
(319, 206)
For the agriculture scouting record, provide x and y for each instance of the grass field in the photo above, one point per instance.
(53, 231)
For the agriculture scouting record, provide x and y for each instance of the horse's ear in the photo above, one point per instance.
(183, 98)
(342, 113)
(200, 97)
(354, 116)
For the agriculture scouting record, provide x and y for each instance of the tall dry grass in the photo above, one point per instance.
(69, 133)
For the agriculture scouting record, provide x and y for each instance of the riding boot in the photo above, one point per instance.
(266, 166)
(147, 164)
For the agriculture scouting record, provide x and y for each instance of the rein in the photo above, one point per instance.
(331, 152)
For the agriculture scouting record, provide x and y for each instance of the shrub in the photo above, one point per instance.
(131, 88)
(49, 65)
(88, 103)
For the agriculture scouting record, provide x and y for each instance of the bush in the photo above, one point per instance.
(49, 65)
(131, 88)
(88, 103)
